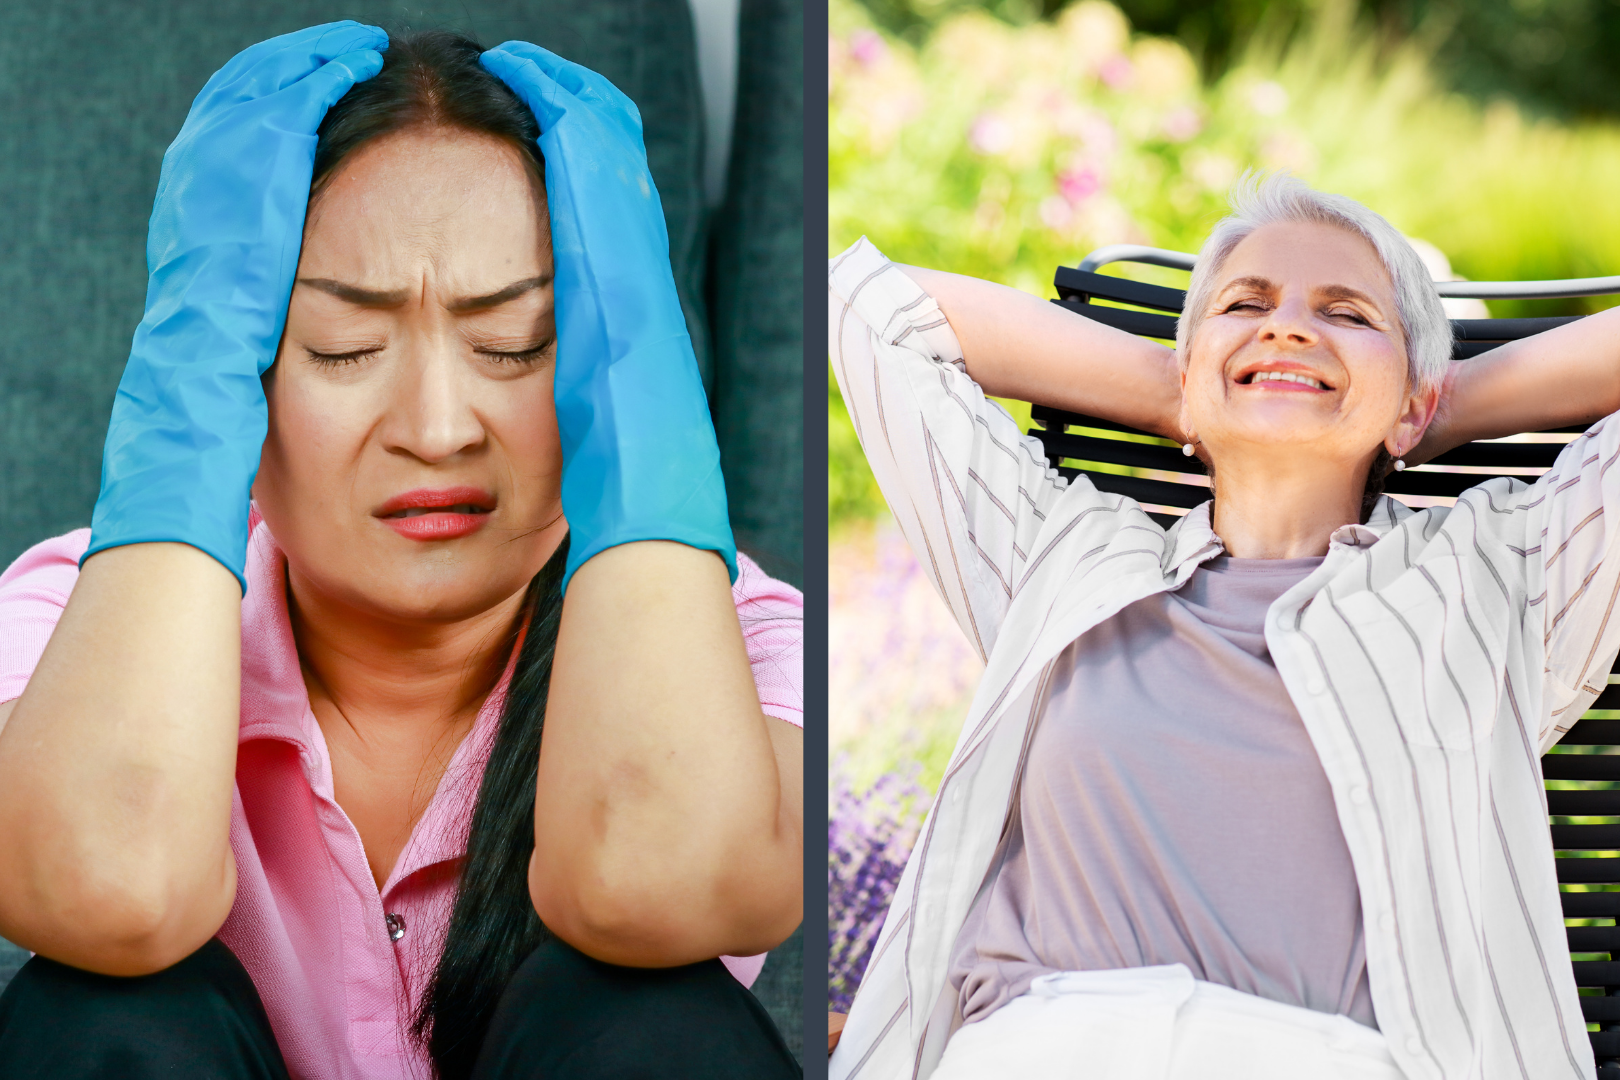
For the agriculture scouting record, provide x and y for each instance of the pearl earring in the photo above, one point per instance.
(1187, 448)
(1400, 463)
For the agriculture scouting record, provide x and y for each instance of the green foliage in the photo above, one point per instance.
(1004, 151)
(1554, 57)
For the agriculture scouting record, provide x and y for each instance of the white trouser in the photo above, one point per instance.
(1159, 1023)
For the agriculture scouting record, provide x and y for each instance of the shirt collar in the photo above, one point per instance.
(1192, 540)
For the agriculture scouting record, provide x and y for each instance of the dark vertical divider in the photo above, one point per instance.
(815, 533)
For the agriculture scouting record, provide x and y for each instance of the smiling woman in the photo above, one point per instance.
(1256, 795)
(470, 745)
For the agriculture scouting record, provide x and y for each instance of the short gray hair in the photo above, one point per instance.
(1258, 199)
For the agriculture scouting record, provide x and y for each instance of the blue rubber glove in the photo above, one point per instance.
(190, 418)
(640, 460)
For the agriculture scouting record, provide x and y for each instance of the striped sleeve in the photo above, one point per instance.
(970, 491)
(1576, 505)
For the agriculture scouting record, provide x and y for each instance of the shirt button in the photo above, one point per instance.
(396, 926)
(1315, 684)
(1386, 922)
(1358, 795)
(956, 794)
(1414, 1045)
(1282, 622)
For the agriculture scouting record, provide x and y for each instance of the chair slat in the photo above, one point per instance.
(1150, 491)
(1594, 732)
(1502, 455)
(1141, 323)
(1412, 482)
(1586, 837)
(1119, 452)
(1597, 972)
(1072, 284)
(1590, 905)
(1507, 329)
(1583, 803)
(1581, 766)
(1601, 1010)
(1054, 418)
(1593, 938)
(1588, 871)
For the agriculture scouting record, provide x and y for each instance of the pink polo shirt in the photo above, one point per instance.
(309, 923)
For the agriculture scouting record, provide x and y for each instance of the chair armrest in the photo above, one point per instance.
(835, 1028)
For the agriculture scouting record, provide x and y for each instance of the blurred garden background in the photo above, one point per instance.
(1005, 138)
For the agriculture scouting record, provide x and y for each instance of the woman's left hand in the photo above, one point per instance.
(668, 807)
(640, 460)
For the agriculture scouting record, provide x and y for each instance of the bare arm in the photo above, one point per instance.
(117, 765)
(1566, 376)
(669, 808)
(1019, 346)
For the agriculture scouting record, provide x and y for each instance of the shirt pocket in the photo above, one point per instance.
(1435, 642)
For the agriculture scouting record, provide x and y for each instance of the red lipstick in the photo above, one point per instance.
(437, 513)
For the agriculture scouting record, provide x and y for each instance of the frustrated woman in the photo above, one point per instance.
(1257, 796)
(470, 746)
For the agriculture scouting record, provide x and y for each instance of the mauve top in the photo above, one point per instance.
(309, 921)
(1173, 810)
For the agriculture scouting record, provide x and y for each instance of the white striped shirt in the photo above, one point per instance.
(1433, 657)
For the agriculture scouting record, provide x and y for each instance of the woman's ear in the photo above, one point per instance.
(1414, 420)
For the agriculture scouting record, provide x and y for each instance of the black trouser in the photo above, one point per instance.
(564, 1017)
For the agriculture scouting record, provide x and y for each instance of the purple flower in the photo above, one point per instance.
(869, 838)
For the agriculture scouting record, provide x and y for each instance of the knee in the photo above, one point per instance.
(206, 974)
(577, 1017)
(60, 1021)
(608, 998)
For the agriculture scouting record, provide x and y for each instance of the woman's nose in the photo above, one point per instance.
(431, 416)
(1289, 322)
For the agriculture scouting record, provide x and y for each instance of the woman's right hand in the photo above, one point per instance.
(118, 762)
(1021, 347)
(189, 417)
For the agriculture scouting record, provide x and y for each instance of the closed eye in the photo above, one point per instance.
(519, 356)
(1353, 316)
(341, 359)
(1251, 305)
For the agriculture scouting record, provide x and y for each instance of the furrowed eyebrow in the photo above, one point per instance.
(496, 299)
(354, 294)
(372, 298)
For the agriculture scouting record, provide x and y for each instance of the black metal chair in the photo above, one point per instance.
(1583, 773)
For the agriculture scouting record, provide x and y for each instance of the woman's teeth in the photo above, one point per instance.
(459, 508)
(1286, 376)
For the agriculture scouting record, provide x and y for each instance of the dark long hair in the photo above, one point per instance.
(433, 78)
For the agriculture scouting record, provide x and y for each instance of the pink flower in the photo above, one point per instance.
(868, 48)
(1079, 184)
(1182, 123)
(990, 134)
(1115, 72)
(1056, 213)
(1268, 99)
